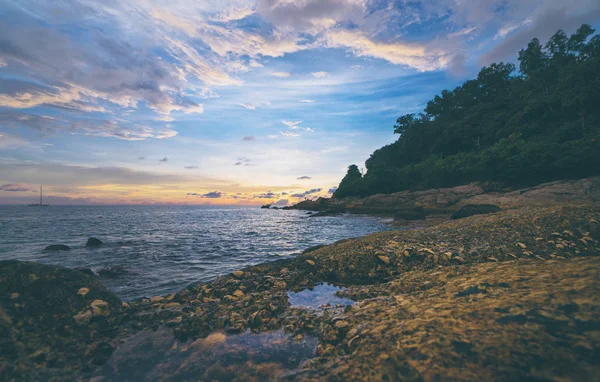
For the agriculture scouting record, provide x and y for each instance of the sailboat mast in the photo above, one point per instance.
(40, 195)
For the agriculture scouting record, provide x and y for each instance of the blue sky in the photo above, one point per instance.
(231, 102)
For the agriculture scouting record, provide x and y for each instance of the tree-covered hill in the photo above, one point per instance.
(517, 128)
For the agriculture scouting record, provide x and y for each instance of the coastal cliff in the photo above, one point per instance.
(505, 296)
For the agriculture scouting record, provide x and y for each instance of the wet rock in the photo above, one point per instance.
(83, 291)
(238, 274)
(57, 247)
(475, 209)
(93, 242)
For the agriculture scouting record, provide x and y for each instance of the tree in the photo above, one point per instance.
(350, 184)
(524, 128)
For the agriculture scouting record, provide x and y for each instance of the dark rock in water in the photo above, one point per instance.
(309, 213)
(112, 271)
(274, 208)
(475, 209)
(93, 242)
(50, 318)
(266, 206)
(416, 213)
(57, 247)
(85, 270)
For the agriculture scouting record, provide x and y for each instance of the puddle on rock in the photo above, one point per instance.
(158, 356)
(321, 295)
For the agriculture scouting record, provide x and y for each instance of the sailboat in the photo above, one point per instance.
(41, 204)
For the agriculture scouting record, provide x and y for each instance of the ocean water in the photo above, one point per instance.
(162, 249)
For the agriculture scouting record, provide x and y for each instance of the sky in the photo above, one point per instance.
(232, 102)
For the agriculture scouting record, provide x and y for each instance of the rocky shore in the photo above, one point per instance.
(512, 295)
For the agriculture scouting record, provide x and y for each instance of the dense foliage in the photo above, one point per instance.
(518, 128)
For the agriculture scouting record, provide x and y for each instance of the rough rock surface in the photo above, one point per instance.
(442, 202)
(93, 242)
(506, 296)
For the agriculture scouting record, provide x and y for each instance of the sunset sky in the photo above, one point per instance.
(231, 102)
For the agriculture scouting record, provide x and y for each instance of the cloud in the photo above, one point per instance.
(281, 74)
(120, 128)
(164, 160)
(307, 101)
(541, 25)
(306, 193)
(73, 176)
(267, 195)
(141, 158)
(243, 161)
(304, 177)
(249, 138)
(191, 167)
(408, 54)
(332, 190)
(320, 74)
(213, 195)
(17, 187)
(294, 125)
(281, 203)
(8, 141)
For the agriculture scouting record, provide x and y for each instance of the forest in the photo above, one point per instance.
(509, 127)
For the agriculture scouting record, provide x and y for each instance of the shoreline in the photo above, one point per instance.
(399, 280)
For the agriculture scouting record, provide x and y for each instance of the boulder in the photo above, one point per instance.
(475, 209)
(57, 247)
(266, 206)
(93, 242)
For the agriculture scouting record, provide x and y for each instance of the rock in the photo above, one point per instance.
(266, 206)
(384, 258)
(83, 291)
(475, 209)
(523, 246)
(416, 213)
(341, 324)
(100, 308)
(85, 270)
(93, 242)
(238, 274)
(310, 262)
(238, 293)
(83, 317)
(57, 247)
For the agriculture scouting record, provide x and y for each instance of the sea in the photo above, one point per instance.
(156, 250)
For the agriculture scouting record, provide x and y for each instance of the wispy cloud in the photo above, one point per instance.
(281, 74)
(163, 160)
(304, 177)
(17, 187)
(320, 74)
(249, 138)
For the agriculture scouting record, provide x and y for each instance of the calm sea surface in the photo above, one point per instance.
(163, 249)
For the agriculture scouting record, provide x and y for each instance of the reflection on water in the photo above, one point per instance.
(158, 356)
(322, 294)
